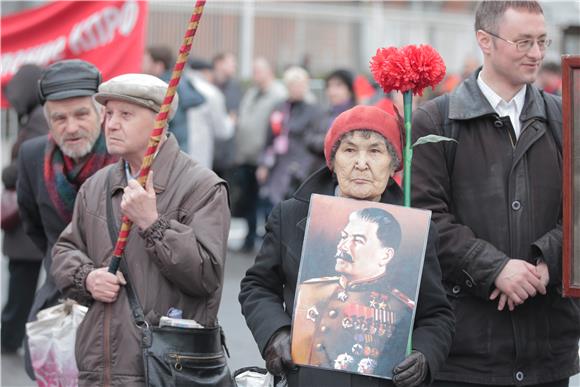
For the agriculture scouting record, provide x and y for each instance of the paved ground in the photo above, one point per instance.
(242, 347)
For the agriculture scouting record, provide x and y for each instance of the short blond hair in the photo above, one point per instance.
(295, 74)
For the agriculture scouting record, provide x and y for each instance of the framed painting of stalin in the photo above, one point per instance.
(358, 285)
(571, 177)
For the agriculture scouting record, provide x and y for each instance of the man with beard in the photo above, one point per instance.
(346, 321)
(52, 168)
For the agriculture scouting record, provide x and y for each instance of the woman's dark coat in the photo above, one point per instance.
(268, 289)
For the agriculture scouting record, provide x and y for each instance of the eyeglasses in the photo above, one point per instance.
(525, 45)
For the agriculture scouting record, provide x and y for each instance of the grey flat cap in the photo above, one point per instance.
(141, 89)
(68, 79)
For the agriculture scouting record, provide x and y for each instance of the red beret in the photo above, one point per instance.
(364, 117)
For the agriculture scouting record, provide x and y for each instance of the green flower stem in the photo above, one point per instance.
(408, 152)
(408, 156)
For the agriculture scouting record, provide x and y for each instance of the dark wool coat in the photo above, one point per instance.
(41, 220)
(23, 96)
(268, 289)
(502, 200)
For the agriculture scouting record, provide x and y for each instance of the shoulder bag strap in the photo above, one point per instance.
(554, 115)
(136, 308)
(449, 130)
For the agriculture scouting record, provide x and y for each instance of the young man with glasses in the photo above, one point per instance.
(497, 201)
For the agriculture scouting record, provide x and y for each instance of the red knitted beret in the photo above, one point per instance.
(364, 117)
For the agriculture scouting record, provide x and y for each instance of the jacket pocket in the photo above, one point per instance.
(473, 330)
(88, 350)
(564, 320)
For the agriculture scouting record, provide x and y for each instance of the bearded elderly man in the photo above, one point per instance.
(52, 168)
(175, 251)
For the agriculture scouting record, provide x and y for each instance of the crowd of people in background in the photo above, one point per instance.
(265, 135)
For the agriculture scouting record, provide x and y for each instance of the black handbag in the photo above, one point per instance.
(173, 356)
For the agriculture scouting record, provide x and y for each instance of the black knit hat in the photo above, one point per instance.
(68, 79)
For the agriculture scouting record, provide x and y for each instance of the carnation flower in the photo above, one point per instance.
(410, 68)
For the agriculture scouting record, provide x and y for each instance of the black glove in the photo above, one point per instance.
(412, 371)
(277, 353)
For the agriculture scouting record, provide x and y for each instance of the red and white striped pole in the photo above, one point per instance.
(160, 123)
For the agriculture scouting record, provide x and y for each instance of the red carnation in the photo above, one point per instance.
(409, 68)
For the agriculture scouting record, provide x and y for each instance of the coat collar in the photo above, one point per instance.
(468, 102)
(161, 167)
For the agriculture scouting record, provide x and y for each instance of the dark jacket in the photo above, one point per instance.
(177, 262)
(22, 93)
(268, 289)
(41, 220)
(189, 97)
(287, 170)
(501, 201)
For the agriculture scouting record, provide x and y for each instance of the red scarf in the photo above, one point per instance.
(63, 177)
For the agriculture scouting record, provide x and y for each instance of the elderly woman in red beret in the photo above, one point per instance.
(363, 152)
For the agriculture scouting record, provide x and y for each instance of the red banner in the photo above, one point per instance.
(109, 34)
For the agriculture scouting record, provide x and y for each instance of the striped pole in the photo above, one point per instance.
(160, 122)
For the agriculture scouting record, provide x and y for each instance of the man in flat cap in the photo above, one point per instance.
(53, 167)
(175, 251)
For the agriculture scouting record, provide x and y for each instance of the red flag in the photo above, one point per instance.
(109, 34)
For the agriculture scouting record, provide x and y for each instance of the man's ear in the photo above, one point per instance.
(388, 254)
(101, 114)
(484, 40)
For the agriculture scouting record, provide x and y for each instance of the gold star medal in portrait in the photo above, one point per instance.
(358, 284)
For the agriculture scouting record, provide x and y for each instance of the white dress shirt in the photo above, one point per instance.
(511, 109)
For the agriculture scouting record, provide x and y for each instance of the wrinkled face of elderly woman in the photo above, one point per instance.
(363, 164)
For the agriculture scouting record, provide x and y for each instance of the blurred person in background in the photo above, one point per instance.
(52, 168)
(550, 78)
(208, 121)
(339, 90)
(159, 61)
(370, 93)
(224, 77)
(24, 257)
(250, 138)
(286, 159)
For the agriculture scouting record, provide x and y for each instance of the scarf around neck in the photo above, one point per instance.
(63, 176)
